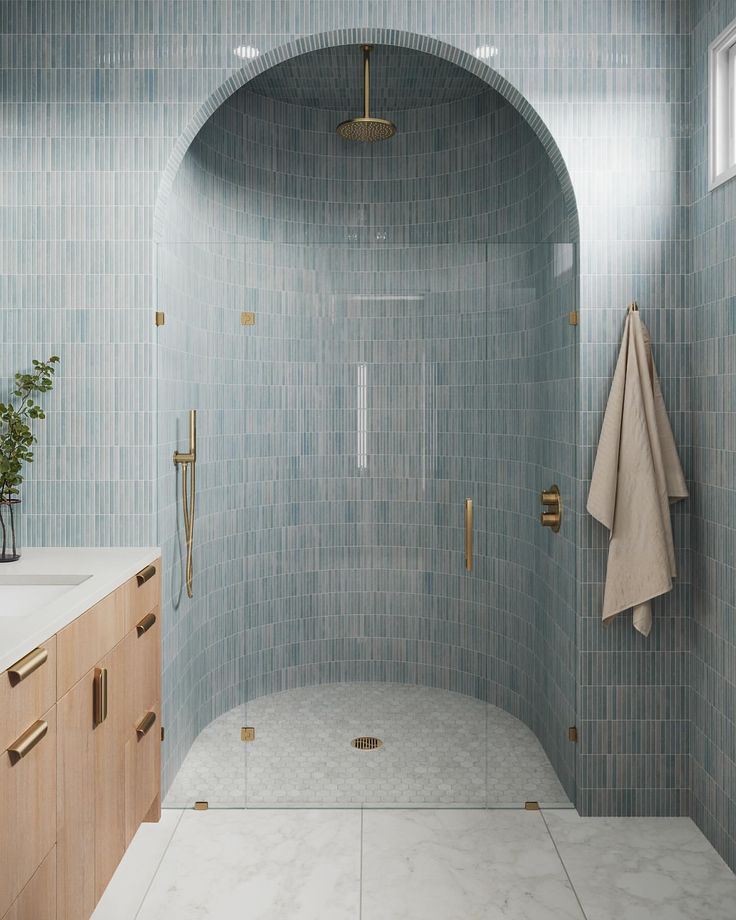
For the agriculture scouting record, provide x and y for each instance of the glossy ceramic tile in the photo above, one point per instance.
(231, 865)
(463, 865)
(643, 868)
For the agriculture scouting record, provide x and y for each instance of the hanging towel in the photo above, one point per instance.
(637, 474)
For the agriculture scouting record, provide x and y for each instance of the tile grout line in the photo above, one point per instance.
(360, 897)
(158, 866)
(564, 867)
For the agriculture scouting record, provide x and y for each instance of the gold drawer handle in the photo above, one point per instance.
(145, 624)
(145, 575)
(27, 665)
(146, 724)
(99, 686)
(27, 741)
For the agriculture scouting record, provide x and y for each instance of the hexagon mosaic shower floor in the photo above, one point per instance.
(439, 748)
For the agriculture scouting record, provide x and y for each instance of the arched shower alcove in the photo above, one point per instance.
(408, 349)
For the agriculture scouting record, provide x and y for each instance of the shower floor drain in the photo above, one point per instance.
(366, 743)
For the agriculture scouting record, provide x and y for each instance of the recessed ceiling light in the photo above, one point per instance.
(247, 52)
(484, 52)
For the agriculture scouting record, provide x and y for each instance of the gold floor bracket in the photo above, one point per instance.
(201, 806)
(247, 733)
(531, 806)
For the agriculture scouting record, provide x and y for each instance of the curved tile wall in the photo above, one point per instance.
(407, 353)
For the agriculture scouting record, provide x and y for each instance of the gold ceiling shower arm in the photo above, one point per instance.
(367, 80)
(188, 463)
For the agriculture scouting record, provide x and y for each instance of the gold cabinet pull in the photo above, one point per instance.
(100, 696)
(469, 534)
(145, 575)
(146, 623)
(145, 724)
(27, 665)
(27, 741)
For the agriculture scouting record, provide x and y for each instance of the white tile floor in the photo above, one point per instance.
(441, 864)
(440, 748)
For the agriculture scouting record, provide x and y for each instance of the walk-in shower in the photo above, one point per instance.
(407, 352)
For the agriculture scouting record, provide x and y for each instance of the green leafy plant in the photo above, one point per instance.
(17, 439)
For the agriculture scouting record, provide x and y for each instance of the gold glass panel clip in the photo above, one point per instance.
(552, 505)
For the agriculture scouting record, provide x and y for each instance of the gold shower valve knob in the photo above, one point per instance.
(552, 504)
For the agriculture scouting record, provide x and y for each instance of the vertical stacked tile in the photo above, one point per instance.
(712, 660)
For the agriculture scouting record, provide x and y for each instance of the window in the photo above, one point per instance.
(722, 63)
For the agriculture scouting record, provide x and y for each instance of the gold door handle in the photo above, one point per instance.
(27, 665)
(145, 624)
(468, 534)
(27, 741)
(146, 724)
(145, 575)
(100, 696)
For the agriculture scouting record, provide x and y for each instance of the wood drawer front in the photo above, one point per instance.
(27, 812)
(144, 597)
(23, 701)
(143, 774)
(144, 666)
(82, 643)
(37, 901)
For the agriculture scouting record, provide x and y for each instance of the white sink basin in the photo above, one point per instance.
(21, 595)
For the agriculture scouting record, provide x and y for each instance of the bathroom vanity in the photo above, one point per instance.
(80, 679)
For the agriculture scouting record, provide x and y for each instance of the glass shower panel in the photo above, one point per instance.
(200, 367)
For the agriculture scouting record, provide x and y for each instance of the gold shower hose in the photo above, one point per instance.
(188, 463)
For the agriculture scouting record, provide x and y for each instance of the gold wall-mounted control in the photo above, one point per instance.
(552, 505)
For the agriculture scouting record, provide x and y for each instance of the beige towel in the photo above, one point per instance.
(637, 474)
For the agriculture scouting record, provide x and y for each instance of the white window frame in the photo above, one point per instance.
(722, 107)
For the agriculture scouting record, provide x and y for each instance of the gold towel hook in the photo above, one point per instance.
(634, 306)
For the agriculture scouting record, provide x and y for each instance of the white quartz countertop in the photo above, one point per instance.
(47, 588)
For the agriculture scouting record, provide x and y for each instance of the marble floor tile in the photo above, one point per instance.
(462, 865)
(127, 888)
(259, 865)
(643, 868)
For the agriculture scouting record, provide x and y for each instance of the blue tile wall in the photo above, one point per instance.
(95, 100)
(350, 566)
(712, 661)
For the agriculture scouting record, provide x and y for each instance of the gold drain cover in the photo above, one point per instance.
(366, 743)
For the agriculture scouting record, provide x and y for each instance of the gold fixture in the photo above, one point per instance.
(99, 685)
(367, 743)
(160, 318)
(552, 504)
(468, 534)
(162, 733)
(633, 307)
(188, 463)
(145, 725)
(145, 624)
(201, 806)
(531, 805)
(247, 319)
(145, 575)
(27, 741)
(366, 128)
(572, 317)
(247, 733)
(27, 665)
(572, 733)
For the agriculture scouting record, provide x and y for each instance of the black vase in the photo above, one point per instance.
(9, 510)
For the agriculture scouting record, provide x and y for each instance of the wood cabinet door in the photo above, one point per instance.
(75, 830)
(27, 805)
(110, 738)
(37, 901)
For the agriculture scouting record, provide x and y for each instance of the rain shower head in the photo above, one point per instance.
(366, 129)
